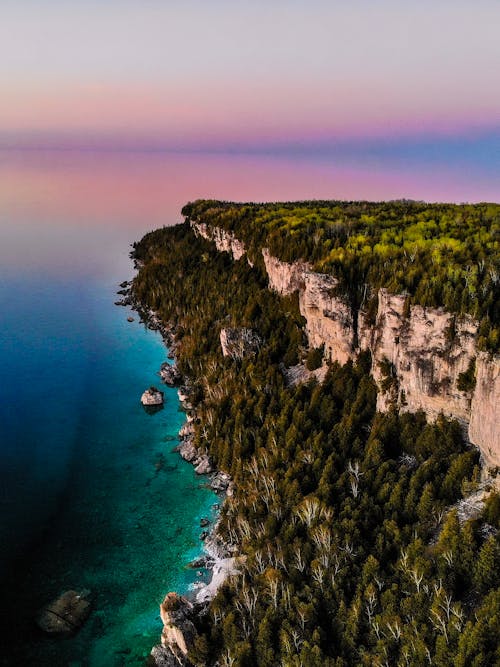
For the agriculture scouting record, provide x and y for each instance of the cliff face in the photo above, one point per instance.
(417, 353)
(484, 427)
(425, 358)
(224, 241)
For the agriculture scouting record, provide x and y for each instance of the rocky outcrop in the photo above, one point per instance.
(170, 374)
(152, 397)
(224, 241)
(178, 628)
(283, 277)
(484, 428)
(66, 614)
(295, 375)
(329, 320)
(240, 342)
(178, 632)
(418, 354)
(426, 349)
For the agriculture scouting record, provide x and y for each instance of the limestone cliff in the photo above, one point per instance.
(484, 427)
(224, 241)
(418, 354)
(427, 350)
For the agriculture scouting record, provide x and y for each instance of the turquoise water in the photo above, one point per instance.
(92, 495)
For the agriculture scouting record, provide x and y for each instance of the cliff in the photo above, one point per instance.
(418, 354)
(224, 241)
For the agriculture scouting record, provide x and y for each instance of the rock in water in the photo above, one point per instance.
(65, 614)
(152, 396)
(178, 633)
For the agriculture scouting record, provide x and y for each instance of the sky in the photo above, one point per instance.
(400, 81)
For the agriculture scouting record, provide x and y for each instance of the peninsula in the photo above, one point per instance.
(344, 372)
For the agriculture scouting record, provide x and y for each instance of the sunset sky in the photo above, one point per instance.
(399, 80)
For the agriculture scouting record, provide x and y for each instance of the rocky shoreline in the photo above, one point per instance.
(179, 613)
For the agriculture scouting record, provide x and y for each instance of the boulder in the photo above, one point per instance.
(65, 614)
(187, 450)
(152, 396)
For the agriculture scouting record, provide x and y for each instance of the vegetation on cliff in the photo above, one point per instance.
(353, 555)
(439, 254)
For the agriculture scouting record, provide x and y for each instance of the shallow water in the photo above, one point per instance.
(111, 507)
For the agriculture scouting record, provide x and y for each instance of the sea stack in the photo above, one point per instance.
(152, 396)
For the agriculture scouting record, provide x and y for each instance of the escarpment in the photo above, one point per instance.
(419, 355)
(224, 241)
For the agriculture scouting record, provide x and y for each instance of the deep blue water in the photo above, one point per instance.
(92, 495)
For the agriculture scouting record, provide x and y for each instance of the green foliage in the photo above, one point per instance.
(314, 358)
(341, 513)
(439, 254)
(467, 380)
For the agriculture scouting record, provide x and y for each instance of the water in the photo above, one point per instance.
(91, 494)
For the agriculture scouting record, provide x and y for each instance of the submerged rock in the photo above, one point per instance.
(152, 396)
(65, 614)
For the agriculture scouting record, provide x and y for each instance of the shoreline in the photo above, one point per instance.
(217, 557)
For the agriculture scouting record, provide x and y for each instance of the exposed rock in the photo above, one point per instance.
(188, 451)
(66, 614)
(300, 374)
(222, 569)
(130, 319)
(179, 631)
(425, 349)
(152, 396)
(204, 522)
(187, 430)
(240, 342)
(224, 241)
(125, 283)
(204, 466)
(284, 278)
(329, 320)
(162, 656)
(220, 482)
(484, 429)
(170, 374)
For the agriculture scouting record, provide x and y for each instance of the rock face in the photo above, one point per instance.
(284, 278)
(170, 374)
(66, 614)
(152, 396)
(484, 425)
(418, 353)
(239, 343)
(224, 241)
(178, 632)
(329, 321)
(425, 358)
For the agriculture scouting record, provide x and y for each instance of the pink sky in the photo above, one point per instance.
(199, 74)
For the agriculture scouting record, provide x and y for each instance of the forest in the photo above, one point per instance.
(438, 254)
(353, 548)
